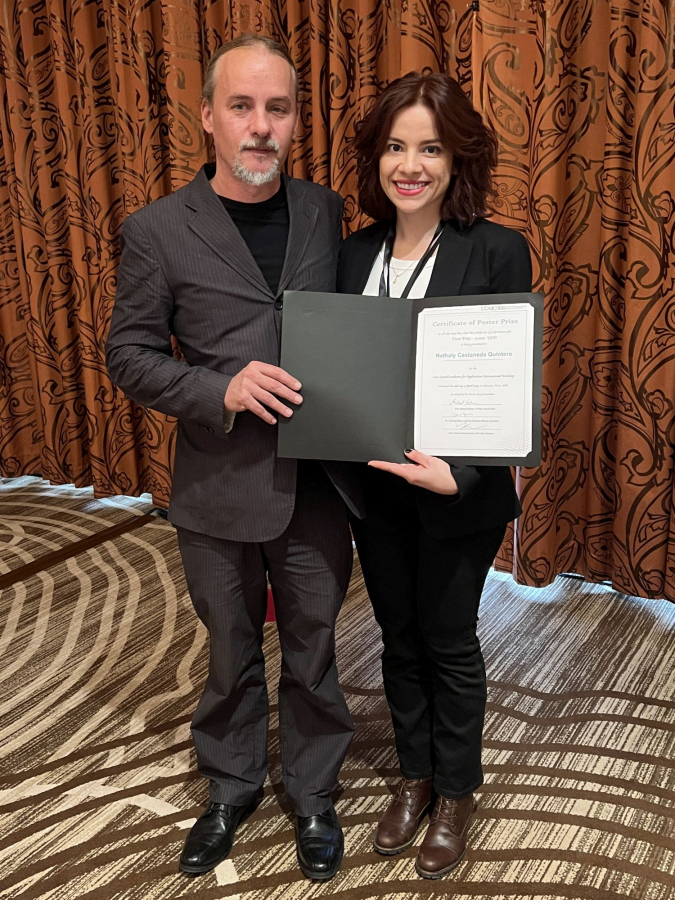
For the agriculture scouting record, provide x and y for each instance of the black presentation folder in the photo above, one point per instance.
(355, 358)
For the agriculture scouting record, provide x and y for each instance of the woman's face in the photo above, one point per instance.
(415, 168)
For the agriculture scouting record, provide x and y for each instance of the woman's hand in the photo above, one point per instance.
(430, 472)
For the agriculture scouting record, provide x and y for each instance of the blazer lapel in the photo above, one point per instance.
(447, 275)
(450, 266)
(211, 223)
(360, 258)
(302, 216)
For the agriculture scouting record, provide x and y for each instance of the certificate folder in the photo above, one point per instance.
(380, 374)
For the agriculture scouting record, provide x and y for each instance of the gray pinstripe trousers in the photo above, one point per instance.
(308, 567)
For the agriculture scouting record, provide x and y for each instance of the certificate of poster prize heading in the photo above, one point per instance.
(455, 377)
(473, 380)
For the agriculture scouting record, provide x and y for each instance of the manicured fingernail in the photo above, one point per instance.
(297, 385)
(288, 412)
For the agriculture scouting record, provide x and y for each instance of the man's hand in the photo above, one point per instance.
(258, 384)
(430, 472)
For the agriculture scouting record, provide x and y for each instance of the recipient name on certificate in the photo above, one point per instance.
(473, 380)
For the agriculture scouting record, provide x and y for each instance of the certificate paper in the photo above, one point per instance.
(455, 377)
(473, 380)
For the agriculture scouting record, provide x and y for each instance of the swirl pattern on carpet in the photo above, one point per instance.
(102, 663)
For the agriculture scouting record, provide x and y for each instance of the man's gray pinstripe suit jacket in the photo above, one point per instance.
(186, 270)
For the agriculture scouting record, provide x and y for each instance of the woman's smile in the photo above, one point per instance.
(410, 188)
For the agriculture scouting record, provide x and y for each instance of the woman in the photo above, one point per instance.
(432, 530)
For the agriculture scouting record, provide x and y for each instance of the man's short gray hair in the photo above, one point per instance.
(244, 40)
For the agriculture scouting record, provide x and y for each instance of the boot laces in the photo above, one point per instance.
(405, 789)
(446, 811)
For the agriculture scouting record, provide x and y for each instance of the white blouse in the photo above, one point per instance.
(401, 270)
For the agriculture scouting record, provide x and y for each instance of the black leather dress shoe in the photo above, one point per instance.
(211, 837)
(320, 845)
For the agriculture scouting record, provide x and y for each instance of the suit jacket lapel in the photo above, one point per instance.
(211, 222)
(360, 260)
(447, 275)
(302, 219)
(450, 266)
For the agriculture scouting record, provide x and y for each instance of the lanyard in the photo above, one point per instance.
(385, 287)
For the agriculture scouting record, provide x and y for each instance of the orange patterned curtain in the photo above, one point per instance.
(100, 115)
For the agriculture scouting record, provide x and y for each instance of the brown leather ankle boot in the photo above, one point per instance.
(444, 843)
(398, 826)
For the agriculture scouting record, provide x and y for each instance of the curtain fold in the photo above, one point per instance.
(581, 96)
(100, 115)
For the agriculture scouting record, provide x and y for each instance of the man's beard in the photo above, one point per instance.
(256, 178)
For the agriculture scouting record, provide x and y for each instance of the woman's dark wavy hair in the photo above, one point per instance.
(461, 129)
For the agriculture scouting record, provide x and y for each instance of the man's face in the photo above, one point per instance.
(254, 114)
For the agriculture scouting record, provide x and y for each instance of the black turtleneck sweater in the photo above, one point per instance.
(264, 227)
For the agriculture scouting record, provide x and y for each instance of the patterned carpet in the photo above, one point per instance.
(102, 661)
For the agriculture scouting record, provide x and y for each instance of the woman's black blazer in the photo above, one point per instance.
(483, 258)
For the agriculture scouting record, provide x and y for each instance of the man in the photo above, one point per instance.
(209, 264)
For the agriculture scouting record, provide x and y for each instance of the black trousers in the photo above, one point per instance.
(309, 567)
(425, 594)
